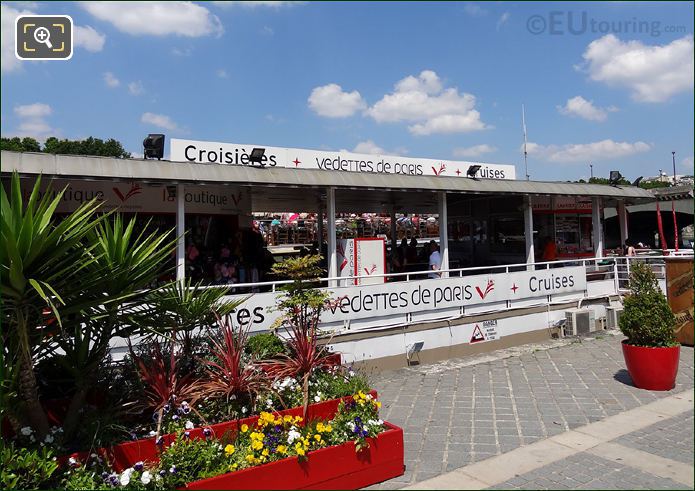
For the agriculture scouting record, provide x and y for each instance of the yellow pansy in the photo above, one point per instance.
(229, 449)
(256, 444)
(282, 449)
(244, 428)
(265, 452)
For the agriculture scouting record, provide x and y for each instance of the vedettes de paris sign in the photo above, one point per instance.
(299, 158)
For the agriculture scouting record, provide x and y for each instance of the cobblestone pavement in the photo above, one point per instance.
(588, 471)
(458, 412)
(672, 439)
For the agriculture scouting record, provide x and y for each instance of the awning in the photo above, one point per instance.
(95, 168)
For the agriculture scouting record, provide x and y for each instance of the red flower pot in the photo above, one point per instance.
(652, 368)
(338, 467)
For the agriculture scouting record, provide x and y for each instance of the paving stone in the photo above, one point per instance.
(447, 408)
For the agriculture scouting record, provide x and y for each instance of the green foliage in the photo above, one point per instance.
(83, 478)
(89, 146)
(647, 320)
(356, 420)
(41, 263)
(264, 346)
(188, 460)
(22, 468)
(654, 184)
(17, 144)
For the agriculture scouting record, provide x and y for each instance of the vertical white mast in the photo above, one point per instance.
(523, 123)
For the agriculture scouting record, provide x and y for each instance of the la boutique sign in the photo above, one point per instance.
(299, 158)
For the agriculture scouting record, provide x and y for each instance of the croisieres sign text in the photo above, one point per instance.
(237, 154)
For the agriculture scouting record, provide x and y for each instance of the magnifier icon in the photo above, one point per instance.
(43, 36)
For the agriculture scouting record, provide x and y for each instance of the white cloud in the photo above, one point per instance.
(256, 4)
(580, 107)
(36, 110)
(157, 18)
(584, 152)
(267, 31)
(88, 38)
(136, 88)
(330, 101)
(222, 73)
(687, 162)
(651, 73)
(368, 147)
(181, 51)
(160, 121)
(32, 120)
(8, 61)
(424, 101)
(474, 151)
(503, 20)
(111, 81)
(474, 10)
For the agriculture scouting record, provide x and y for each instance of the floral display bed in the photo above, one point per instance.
(338, 467)
(126, 454)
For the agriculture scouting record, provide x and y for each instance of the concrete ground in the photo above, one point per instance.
(557, 415)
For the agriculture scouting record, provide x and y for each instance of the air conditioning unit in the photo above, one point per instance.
(579, 322)
(612, 317)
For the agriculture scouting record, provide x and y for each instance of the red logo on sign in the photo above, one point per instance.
(442, 168)
(490, 286)
(370, 270)
(134, 189)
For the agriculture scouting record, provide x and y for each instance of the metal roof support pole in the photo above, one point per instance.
(443, 232)
(528, 231)
(622, 221)
(597, 226)
(332, 253)
(394, 233)
(319, 226)
(180, 233)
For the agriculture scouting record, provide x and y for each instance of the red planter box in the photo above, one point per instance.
(125, 454)
(338, 467)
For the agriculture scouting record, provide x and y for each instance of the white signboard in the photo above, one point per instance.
(345, 254)
(298, 158)
(385, 299)
(370, 261)
(134, 197)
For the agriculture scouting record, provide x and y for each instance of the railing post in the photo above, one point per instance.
(180, 233)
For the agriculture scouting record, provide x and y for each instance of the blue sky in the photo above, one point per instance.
(607, 83)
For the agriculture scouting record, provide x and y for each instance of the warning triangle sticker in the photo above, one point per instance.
(477, 335)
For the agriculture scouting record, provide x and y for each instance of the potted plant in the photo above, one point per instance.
(651, 351)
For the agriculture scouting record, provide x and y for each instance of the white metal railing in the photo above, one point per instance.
(616, 268)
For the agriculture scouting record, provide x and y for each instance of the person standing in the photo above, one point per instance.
(549, 250)
(435, 261)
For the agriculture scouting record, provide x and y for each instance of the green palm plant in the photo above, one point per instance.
(40, 260)
(184, 309)
(127, 262)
